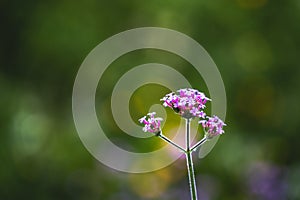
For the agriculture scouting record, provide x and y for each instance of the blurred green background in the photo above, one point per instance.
(255, 44)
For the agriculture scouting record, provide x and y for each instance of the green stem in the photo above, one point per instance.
(172, 143)
(189, 162)
(198, 144)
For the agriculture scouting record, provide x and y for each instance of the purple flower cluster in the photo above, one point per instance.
(213, 126)
(152, 124)
(187, 102)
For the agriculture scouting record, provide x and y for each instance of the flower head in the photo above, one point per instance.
(186, 102)
(152, 123)
(213, 126)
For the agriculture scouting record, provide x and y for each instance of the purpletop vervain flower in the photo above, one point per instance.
(152, 124)
(187, 102)
(213, 126)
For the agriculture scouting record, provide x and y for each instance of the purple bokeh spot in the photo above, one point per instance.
(267, 182)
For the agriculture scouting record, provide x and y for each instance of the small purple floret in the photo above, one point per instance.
(152, 123)
(213, 126)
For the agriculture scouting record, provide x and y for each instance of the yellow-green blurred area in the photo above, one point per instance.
(254, 43)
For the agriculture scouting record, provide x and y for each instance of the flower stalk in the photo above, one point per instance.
(189, 162)
(171, 142)
(198, 144)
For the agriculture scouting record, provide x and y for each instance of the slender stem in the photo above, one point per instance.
(187, 132)
(172, 143)
(191, 173)
(198, 144)
(189, 162)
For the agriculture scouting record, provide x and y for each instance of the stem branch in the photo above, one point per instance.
(198, 144)
(172, 143)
